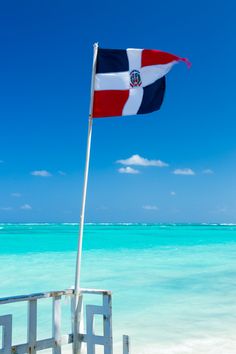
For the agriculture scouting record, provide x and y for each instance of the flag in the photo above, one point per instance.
(130, 82)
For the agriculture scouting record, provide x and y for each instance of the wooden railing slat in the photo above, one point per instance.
(126, 344)
(107, 323)
(6, 324)
(32, 326)
(56, 324)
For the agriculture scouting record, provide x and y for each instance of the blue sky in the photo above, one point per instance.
(45, 71)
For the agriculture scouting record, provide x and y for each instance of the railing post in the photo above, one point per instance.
(126, 345)
(56, 324)
(77, 323)
(32, 326)
(107, 323)
(6, 324)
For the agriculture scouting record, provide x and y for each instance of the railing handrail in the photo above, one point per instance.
(49, 294)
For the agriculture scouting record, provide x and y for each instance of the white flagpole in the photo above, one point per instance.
(77, 308)
(80, 241)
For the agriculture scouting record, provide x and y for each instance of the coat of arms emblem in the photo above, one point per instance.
(135, 78)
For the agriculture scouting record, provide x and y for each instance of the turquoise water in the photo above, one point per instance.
(174, 286)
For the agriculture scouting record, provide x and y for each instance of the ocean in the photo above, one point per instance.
(174, 286)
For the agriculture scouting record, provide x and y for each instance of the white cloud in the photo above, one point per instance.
(141, 161)
(128, 170)
(41, 173)
(16, 195)
(6, 208)
(150, 207)
(207, 171)
(62, 173)
(26, 207)
(184, 171)
(173, 193)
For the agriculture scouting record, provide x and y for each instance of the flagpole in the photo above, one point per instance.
(77, 305)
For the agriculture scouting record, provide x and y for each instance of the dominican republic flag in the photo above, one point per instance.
(131, 81)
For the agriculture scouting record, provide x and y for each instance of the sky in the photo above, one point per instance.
(174, 165)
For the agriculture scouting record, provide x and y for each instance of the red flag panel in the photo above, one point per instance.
(109, 103)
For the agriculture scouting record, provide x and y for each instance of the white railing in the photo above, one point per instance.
(84, 340)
